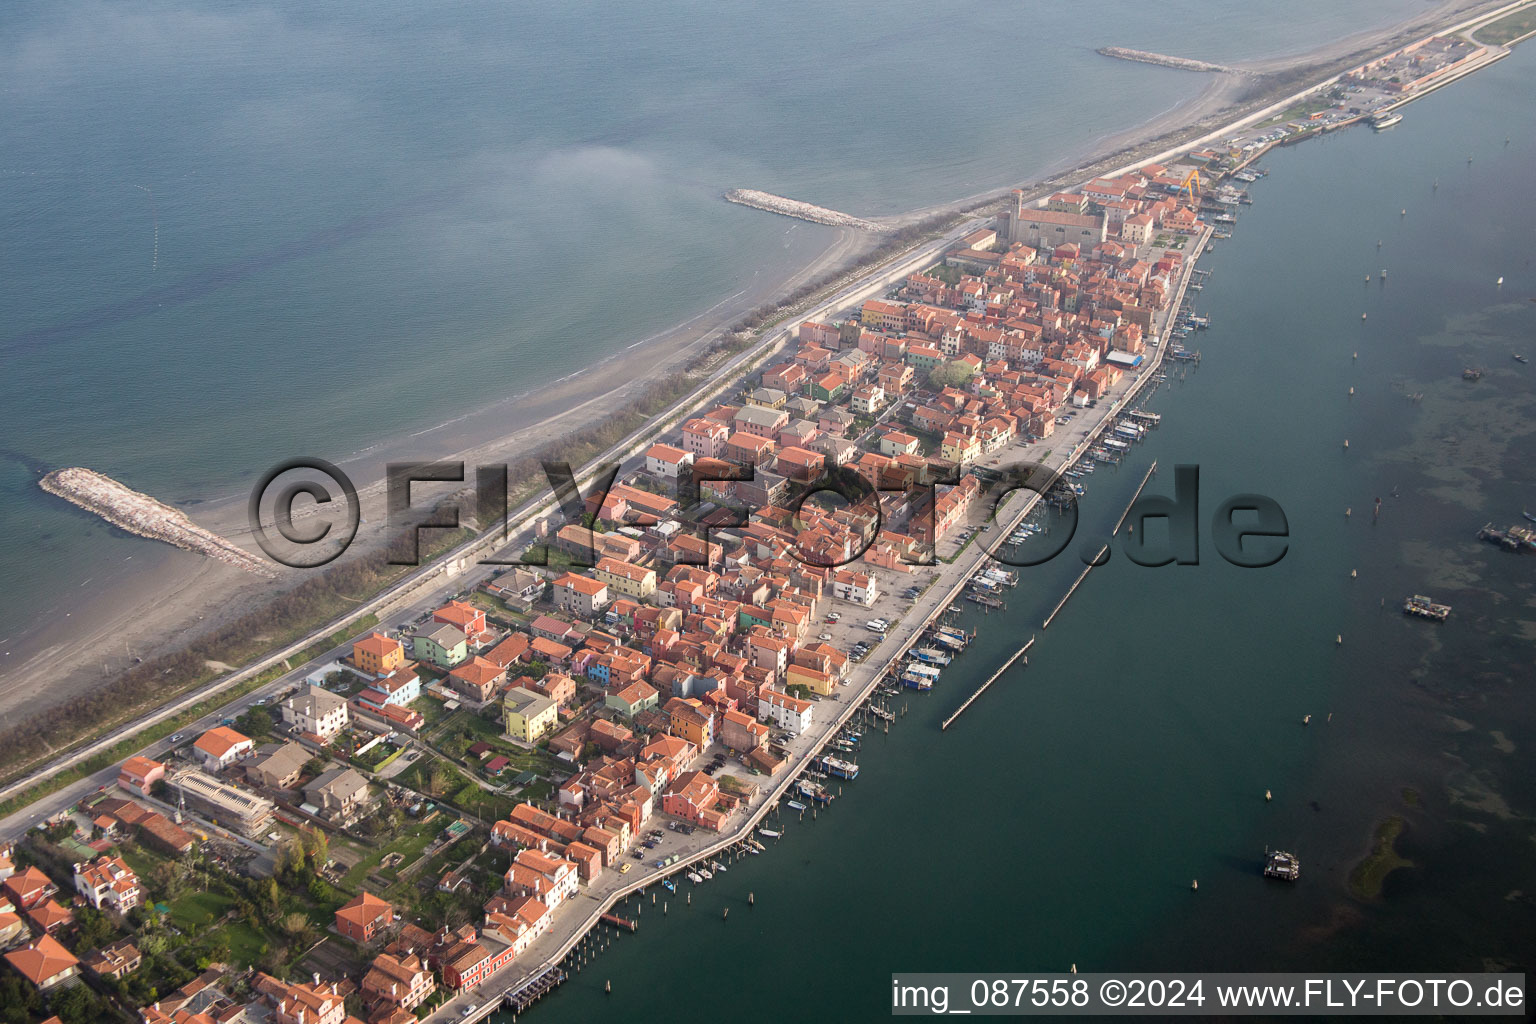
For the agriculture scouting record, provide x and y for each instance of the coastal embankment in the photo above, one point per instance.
(143, 516)
(799, 210)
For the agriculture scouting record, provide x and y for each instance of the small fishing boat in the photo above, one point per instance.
(671, 885)
(794, 805)
(693, 876)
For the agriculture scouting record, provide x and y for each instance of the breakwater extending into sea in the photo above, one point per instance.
(143, 516)
(1163, 60)
(799, 210)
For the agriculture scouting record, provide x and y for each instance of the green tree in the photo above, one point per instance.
(93, 929)
(19, 1001)
(256, 722)
(78, 1004)
(315, 845)
(952, 374)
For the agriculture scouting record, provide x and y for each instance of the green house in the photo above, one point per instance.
(442, 645)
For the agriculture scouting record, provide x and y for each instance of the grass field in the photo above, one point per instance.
(409, 845)
(1509, 27)
(197, 910)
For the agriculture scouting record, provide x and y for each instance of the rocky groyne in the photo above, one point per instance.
(142, 515)
(800, 211)
(1163, 60)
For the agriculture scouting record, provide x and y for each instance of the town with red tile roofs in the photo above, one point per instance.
(430, 821)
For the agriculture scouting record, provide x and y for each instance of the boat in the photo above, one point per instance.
(931, 656)
(1513, 539)
(695, 878)
(705, 873)
(1381, 122)
(1284, 866)
(754, 851)
(842, 769)
(1520, 358)
(1424, 608)
(1530, 516)
(1471, 373)
(917, 682)
(671, 885)
(716, 868)
(794, 805)
(813, 792)
(769, 833)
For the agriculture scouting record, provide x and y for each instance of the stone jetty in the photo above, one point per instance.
(795, 208)
(142, 515)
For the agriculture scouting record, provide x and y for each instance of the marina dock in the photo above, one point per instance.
(1084, 574)
(990, 680)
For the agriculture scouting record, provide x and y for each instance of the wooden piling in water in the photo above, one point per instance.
(990, 680)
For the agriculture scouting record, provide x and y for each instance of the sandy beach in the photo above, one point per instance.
(172, 595)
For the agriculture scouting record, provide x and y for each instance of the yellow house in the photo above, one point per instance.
(528, 715)
(688, 719)
(377, 654)
(817, 682)
(960, 448)
(626, 578)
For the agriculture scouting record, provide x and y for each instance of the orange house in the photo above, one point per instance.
(377, 654)
(364, 917)
(466, 618)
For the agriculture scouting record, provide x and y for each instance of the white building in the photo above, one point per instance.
(316, 711)
(860, 588)
(791, 714)
(108, 883)
(549, 879)
(666, 461)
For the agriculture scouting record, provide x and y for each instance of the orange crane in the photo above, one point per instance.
(1191, 184)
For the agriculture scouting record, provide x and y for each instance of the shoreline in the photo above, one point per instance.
(512, 426)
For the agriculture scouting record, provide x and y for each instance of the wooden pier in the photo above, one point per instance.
(537, 988)
(982, 688)
(1084, 574)
(620, 922)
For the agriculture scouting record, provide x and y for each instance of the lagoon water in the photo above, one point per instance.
(367, 227)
